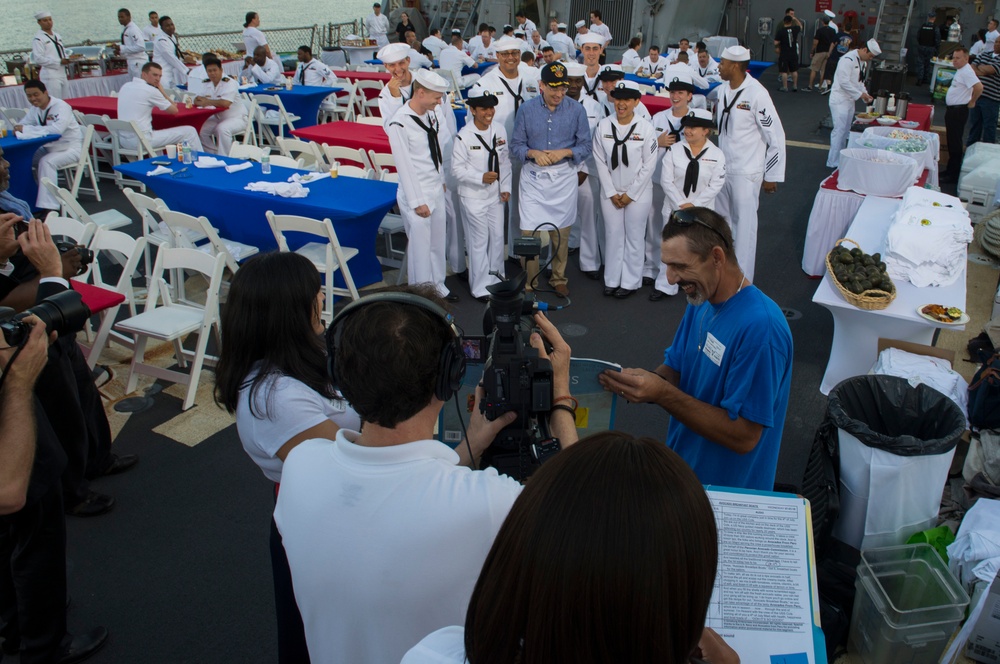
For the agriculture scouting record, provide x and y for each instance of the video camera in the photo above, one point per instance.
(515, 378)
(63, 313)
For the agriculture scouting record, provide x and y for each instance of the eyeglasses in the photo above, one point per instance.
(686, 217)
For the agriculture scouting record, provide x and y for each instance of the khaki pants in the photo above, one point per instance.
(558, 238)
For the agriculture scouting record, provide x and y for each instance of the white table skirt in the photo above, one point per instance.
(717, 44)
(855, 331)
(831, 214)
(929, 160)
(356, 55)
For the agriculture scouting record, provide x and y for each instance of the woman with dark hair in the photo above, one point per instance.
(253, 37)
(978, 43)
(608, 555)
(403, 26)
(272, 374)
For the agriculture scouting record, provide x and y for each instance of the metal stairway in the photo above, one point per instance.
(891, 28)
(456, 14)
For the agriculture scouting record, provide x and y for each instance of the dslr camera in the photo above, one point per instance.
(64, 313)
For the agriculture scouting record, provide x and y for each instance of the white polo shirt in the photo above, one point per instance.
(136, 101)
(385, 544)
(960, 91)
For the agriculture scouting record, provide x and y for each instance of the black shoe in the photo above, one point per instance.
(451, 297)
(609, 290)
(483, 298)
(119, 464)
(95, 504)
(656, 295)
(795, 89)
(82, 646)
(623, 293)
(595, 275)
(463, 275)
(648, 281)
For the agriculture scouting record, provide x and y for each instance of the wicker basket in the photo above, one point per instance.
(870, 300)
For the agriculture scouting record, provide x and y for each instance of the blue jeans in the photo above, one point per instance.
(983, 121)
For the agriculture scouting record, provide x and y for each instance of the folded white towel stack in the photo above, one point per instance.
(927, 242)
(283, 189)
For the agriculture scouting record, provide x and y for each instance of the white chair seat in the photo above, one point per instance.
(110, 219)
(316, 252)
(392, 223)
(164, 236)
(165, 323)
(276, 121)
(239, 251)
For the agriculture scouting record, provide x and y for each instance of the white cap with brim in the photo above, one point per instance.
(736, 54)
(40, 15)
(394, 53)
(560, 26)
(579, 24)
(591, 38)
(829, 13)
(519, 32)
(678, 74)
(431, 81)
(575, 69)
(873, 47)
(507, 44)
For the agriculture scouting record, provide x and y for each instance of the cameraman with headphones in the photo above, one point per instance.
(386, 530)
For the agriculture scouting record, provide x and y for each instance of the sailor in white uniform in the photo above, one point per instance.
(587, 233)
(753, 140)
(481, 165)
(669, 132)
(848, 86)
(167, 53)
(377, 24)
(223, 92)
(56, 116)
(465, 48)
(454, 59)
(631, 60)
(592, 46)
(434, 43)
(413, 136)
(830, 15)
(562, 43)
(609, 77)
(652, 65)
(253, 37)
(511, 90)
(48, 52)
(311, 71)
(136, 101)
(694, 169)
(261, 69)
(625, 152)
(153, 29)
(524, 24)
(133, 44)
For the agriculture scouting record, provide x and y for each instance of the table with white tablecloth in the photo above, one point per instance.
(856, 331)
(717, 44)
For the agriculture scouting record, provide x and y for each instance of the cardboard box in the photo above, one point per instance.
(984, 641)
(916, 349)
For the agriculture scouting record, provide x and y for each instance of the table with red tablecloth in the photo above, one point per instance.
(347, 134)
(193, 117)
(655, 103)
(832, 212)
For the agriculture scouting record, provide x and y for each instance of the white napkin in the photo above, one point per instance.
(242, 166)
(32, 131)
(209, 162)
(160, 170)
(285, 190)
(308, 177)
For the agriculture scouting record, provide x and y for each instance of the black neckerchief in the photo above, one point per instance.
(302, 73)
(45, 118)
(675, 132)
(123, 34)
(59, 46)
(622, 143)
(493, 162)
(691, 174)
(177, 48)
(653, 68)
(591, 92)
(703, 72)
(432, 141)
(517, 95)
(726, 110)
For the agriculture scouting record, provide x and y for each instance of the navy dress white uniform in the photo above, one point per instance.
(454, 60)
(219, 128)
(378, 27)
(57, 118)
(167, 54)
(591, 84)
(136, 101)
(314, 73)
(588, 232)
(420, 164)
(631, 60)
(689, 177)
(48, 52)
(562, 44)
(270, 73)
(651, 69)
(848, 86)
(753, 140)
(196, 80)
(476, 153)
(133, 48)
(625, 155)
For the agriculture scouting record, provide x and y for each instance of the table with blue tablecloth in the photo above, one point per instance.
(356, 207)
(301, 100)
(757, 67)
(20, 154)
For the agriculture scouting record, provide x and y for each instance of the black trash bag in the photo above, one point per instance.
(821, 483)
(887, 413)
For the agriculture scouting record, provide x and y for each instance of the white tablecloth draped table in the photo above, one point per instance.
(717, 44)
(856, 331)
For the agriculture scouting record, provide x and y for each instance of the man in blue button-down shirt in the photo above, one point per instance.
(551, 138)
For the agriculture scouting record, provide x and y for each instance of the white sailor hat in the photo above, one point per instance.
(829, 13)
(873, 47)
(698, 117)
(456, 31)
(736, 54)
(575, 69)
(431, 81)
(394, 53)
(579, 24)
(507, 44)
(591, 38)
(626, 90)
(678, 77)
(44, 14)
(560, 26)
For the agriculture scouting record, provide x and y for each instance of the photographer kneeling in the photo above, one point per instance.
(386, 530)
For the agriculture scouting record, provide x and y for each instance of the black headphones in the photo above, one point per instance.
(451, 365)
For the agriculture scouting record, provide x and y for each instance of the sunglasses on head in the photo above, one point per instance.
(687, 217)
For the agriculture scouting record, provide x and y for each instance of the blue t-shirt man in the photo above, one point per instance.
(736, 355)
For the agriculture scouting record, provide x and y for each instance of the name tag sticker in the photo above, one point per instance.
(714, 350)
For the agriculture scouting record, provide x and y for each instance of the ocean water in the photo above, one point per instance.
(77, 20)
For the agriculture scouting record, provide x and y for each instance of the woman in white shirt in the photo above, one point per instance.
(253, 37)
(631, 60)
(272, 374)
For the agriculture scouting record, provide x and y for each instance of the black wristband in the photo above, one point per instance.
(568, 409)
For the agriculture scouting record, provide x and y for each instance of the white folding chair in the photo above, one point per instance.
(327, 256)
(285, 162)
(166, 320)
(81, 232)
(128, 143)
(341, 154)
(233, 252)
(341, 105)
(355, 172)
(449, 76)
(249, 132)
(367, 105)
(241, 151)
(267, 124)
(125, 250)
(307, 152)
(70, 207)
(370, 120)
(155, 229)
(102, 146)
(381, 161)
(74, 172)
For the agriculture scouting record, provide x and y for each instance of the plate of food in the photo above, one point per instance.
(888, 120)
(909, 124)
(938, 313)
(865, 118)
